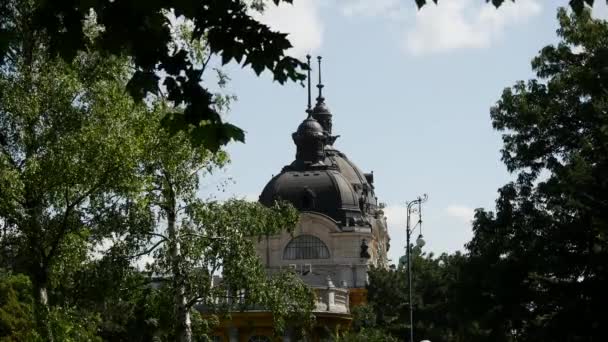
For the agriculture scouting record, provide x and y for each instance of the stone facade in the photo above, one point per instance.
(345, 266)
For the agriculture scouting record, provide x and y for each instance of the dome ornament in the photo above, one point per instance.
(309, 108)
(320, 98)
(321, 113)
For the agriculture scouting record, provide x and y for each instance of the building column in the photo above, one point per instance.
(331, 295)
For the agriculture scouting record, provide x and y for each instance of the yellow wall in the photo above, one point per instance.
(260, 323)
(357, 297)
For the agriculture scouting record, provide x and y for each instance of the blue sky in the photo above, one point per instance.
(410, 92)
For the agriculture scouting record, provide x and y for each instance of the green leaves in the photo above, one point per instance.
(440, 294)
(88, 176)
(547, 240)
(215, 236)
(202, 239)
(16, 307)
(140, 82)
(141, 31)
(67, 159)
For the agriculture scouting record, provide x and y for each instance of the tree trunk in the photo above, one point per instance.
(38, 267)
(183, 328)
(41, 303)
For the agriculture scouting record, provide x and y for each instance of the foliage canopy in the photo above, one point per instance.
(543, 252)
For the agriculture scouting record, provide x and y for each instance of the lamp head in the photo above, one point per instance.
(420, 241)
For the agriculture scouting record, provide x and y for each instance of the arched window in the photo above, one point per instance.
(306, 247)
(258, 338)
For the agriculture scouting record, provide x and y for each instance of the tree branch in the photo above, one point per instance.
(205, 63)
(68, 210)
(150, 250)
(193, 301)
(196, 170)
(204, 236)
(158, 235)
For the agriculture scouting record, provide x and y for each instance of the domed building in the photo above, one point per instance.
(341, 232)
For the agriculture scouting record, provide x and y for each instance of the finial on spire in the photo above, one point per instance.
(321, 113)
(320, 85)
(309, 108)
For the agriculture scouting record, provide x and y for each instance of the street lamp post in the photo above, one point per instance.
(411, 207)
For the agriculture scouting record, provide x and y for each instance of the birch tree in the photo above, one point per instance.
(196, 239)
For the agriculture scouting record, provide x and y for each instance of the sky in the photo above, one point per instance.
(410, 92)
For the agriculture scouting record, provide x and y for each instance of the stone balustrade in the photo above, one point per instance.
(328, 299)
(333, 300)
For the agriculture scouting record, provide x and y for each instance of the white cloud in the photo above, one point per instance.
(458, 24)
(600, 10)
(453, 24)
(463, 213)
(353, 8)
(395, 218)
(301, 21)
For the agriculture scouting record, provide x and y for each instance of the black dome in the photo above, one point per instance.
(320, 109)
(322, 179)
(323, 191)
(310, 126)
(310, 140)
(350, 171)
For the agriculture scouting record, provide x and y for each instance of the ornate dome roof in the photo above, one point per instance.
(324, 191)
(322, 179)
(352, 173)
(310, 127)
(310, 139)
(320, 108)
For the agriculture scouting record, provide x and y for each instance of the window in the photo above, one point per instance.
(258, 338)
(306, 247)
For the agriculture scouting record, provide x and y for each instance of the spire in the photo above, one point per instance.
(320, 98)
(321, 112)
(309, 108)
(310, 138)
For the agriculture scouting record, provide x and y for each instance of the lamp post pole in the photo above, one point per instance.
(411, 207)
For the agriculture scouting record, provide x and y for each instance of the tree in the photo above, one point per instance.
(141, 30)
(195, 239)
(364, 328)
(539, 260)
(116, 294)
(16, 315)
(439, 299)
(67, 152)
(76, 157)
(16, 304)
